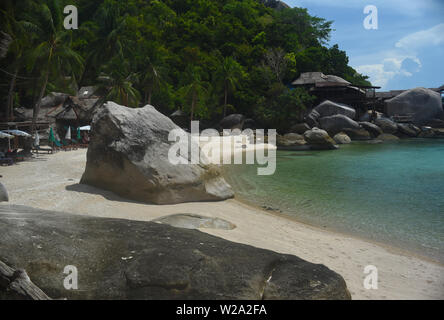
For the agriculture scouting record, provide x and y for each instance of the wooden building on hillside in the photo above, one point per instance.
(337, 89)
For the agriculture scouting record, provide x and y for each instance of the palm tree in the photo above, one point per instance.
(229, 73)
(107, 30)
(118, 81)
(16, 40)
(195, 90)
(151, 80)
(53, 53)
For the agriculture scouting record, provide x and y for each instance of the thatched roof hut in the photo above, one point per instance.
(318, 79)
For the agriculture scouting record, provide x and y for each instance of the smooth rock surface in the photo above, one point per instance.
(423, 104)
(372, 128)
(408, 129)
(128, 154)
(312, 119)
(124, 259)
(358, 134)
(319, 139)
(387, 137)
(342, 138)
(387, 125)
(290, 139)
(193, 221)
(3, 193)
(330, 108)
(335, 124)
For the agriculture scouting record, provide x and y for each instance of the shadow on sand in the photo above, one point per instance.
(109, 195)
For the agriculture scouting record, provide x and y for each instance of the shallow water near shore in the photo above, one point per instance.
(392, 193)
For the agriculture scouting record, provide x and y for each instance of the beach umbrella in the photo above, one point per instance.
(4, 135)
(51, 135)
(68, 134)
(18, 133)
(85, 128)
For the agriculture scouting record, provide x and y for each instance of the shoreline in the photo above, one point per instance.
(51, 182)
(391, 248)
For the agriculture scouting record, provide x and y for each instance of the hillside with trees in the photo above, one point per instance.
(208, 58)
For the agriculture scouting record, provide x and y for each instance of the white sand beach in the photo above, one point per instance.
(52, 182)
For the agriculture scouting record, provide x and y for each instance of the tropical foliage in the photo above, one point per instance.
(206, 57)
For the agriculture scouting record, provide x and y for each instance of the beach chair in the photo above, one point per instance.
(38, 149)
(5, 160)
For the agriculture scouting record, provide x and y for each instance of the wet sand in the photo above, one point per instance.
(52, 182)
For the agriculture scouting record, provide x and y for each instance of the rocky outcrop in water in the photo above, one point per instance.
(342, 138)
(421, 103)
(123, 259)
(128, 154)
(372, 128)
(337, 123)
(290, 139)
(387, 125)
(357, 134)
(319, 139)
(329, 108)
(409, 130)
(387, 137)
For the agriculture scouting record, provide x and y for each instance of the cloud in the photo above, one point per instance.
(381, 73)
(424, 38)
(403, 7)
(403, 61)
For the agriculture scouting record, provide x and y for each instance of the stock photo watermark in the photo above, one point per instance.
(71, 21)
(371, 20)
(71, 281)
(371, 280)
(187, 150)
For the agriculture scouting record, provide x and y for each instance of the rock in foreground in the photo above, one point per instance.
(123, 259)
(3, 194)
(128, 154)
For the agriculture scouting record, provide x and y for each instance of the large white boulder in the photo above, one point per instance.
(330, 108)
(128, 154)
(423, 104)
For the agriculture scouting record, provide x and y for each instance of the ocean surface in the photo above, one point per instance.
(392, 193)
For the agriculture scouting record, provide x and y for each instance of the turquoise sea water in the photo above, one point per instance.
(391, 193)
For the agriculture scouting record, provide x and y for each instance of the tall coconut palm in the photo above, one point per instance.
(18, 38)
(229, 74)
(117, 80)
(195, 89)
(151, 80)
(53, 54)
(107, 33)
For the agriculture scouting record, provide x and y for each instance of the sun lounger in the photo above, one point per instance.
(6, 161)
(38, 149)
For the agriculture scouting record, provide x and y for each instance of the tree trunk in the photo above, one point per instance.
(39, 101)
(193, 104)
(226, 100)
(10, 106)
(150, 94)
